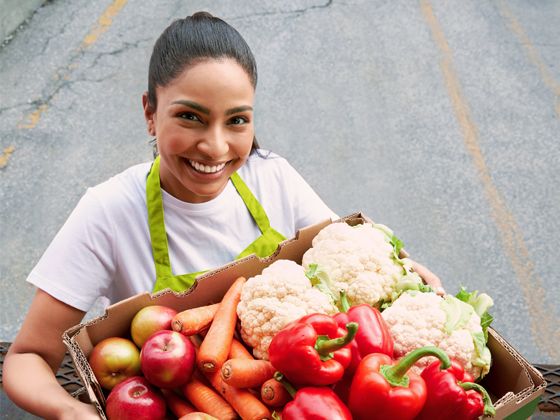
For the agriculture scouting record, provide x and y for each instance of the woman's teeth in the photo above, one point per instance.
(205, 168)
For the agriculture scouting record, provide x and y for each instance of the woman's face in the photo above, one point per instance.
(204, 128)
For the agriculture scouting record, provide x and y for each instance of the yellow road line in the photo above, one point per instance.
(102, 25)
(532, 53)
(541, 315)
(5, 156)
(104, 22)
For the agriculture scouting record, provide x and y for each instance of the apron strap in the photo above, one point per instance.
(156, 222)
(254, 207)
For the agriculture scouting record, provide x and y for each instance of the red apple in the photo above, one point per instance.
(167, 359)
(148, 320)
(113, 360)
(135, 399)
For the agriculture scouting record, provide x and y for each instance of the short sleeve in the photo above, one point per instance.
(78, 265)
(308, 207)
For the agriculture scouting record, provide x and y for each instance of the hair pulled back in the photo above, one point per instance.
(193, 39)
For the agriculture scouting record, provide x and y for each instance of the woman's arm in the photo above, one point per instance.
(429, 278)
(34, 358)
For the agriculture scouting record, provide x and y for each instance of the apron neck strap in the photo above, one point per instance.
(156, 223)
(253, 205)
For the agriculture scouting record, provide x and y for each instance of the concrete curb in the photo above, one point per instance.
(14, 13)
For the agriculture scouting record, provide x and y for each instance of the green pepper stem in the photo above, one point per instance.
(489, 409)
(326, 346)
(282, 379)
(344, 304)
(396, 374)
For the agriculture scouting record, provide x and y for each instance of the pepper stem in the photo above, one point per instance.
(343, 302)
(288, 386)
(396, 374)
(489, 409)
(325, 345)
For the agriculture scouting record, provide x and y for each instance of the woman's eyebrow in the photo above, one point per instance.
(193, 105)
(238, 109)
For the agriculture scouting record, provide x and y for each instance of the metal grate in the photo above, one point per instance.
(66, 375)
(550, 401)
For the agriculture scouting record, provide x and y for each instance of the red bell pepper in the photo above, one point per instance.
(312, 350)
(452, 394)
(313, 403)
(373, 336)
(383, 388)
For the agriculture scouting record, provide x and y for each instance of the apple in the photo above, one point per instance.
(167, 359)
(135, 399)
(148, 320)
(113, 360)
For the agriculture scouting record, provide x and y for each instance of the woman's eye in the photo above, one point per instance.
(238, 120)
(188, 116)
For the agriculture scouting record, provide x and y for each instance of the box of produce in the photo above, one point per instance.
(336, 324)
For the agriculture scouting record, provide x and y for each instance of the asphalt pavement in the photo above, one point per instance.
(440, 119)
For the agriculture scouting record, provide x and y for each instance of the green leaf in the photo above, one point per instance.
(480, 303)
(321, 281)
(483, 356)
(458, 313)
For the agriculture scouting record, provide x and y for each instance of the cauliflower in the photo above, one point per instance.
(361, 260)
(269, 301)
(425, 319)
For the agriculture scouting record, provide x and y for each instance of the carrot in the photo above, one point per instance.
(192, 321)
(246, 373)
(215, 347)
(178, 406)
(274, 394)
(239, 351)
(207, 400)
(248, 406)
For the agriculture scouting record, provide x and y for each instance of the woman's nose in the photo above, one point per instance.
(214, 144)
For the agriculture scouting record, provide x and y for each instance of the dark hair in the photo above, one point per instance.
(193, 39)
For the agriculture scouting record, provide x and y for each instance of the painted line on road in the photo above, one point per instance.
(102, 25)
(541, 316)
(5, 156)
(532, 53)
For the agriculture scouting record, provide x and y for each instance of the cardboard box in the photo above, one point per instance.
(514, 385)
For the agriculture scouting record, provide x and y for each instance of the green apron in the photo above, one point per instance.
(263, 246)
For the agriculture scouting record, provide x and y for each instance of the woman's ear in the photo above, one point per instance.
(149, 115)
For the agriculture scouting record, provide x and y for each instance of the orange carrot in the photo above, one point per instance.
(192, 321)
(246, 373)
(178, 406)
(239, 351)
(243, 402)
(274, 394)
(207, 400)
(215, 347)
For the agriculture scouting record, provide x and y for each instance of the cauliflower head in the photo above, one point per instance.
(361, 260)
(271, 300)
(425, 319)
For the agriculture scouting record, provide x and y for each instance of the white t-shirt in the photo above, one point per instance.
(104, 248)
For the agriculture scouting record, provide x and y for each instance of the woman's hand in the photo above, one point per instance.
(34, 358)
(429, 278)
(80, 411)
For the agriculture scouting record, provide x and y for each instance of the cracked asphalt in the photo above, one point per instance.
(439, 119)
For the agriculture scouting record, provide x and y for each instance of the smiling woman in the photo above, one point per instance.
(209, 197)
(203, 123)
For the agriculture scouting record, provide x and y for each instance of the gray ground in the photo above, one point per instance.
(440, 119)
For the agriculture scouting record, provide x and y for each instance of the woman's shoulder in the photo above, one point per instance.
(127, 186)
(263, 162)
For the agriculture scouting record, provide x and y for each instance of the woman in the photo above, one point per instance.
(209, 197)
